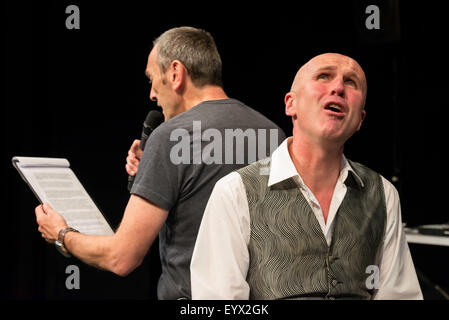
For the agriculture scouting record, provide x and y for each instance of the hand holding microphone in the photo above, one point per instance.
(133, 159)
(152, 121)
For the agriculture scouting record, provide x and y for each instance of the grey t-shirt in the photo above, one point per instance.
(183, 159)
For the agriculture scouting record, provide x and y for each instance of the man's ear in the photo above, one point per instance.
(178, 74)
(362, 117)
(289, 105)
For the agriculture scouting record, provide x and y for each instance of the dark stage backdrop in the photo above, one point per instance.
(82, 95)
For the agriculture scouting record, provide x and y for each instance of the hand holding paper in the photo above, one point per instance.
(54, 183)
(70, 219)
(50, 222)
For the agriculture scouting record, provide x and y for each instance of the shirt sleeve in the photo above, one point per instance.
(220, 258)
(397, 275)
(157, 176)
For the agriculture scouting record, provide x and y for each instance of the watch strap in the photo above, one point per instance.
(62, 233)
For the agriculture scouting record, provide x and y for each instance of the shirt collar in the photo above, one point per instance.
(282, 167)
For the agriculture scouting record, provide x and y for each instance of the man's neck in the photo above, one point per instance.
(206, 93)
(318, 166)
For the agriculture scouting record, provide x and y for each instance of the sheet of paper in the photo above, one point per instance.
(55, 183)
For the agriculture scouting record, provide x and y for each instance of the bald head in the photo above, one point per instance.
(327, 100)
(330, 61)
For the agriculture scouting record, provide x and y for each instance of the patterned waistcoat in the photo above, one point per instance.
(289, 255)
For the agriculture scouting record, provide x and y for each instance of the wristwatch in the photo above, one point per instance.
(60, 242)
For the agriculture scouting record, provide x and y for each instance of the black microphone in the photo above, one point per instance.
(152, 121)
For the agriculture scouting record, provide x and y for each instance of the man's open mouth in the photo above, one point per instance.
(335, 108)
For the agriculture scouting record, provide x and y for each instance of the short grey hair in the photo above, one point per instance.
(196, 50)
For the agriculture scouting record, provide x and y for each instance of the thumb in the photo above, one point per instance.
(135, 146)
(47, 208)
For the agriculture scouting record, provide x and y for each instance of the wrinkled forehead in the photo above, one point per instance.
(334, 59)
(152, 65)
(330, 61)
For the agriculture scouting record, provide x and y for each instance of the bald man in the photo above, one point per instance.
(307, 223)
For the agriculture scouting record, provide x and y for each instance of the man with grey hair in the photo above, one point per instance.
(317, 226)
(184, 69)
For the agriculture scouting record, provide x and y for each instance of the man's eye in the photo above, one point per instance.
(323, 76)
(351, 83)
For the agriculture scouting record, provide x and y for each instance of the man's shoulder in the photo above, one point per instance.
(229, 184)
(161, 135)
(363, 170)
(258, 117)
(262, 163)
(256, 170)
(230, 178)
(260, 167)
(365, 173)
(230, 113)
(234, 113)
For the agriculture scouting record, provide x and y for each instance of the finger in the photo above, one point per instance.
(130, 170)
(133, 162)
(40, 215)
(133, 166)
(136, 149)
(47, 208)
(46, 238)
(134, 156)
(132, 159)
(38, 210)
(135, 146)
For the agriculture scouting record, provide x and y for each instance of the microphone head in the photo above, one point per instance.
(153, 119)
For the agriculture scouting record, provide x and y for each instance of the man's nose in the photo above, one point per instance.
(152, 94)
(338, 87)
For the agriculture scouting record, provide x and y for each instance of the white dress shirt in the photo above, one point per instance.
(220, 258)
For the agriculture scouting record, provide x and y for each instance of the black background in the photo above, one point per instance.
(82, 95)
